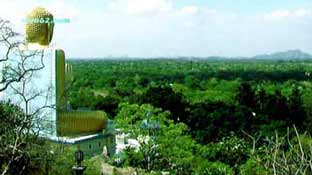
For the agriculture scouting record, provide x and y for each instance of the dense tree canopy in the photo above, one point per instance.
(215, 116)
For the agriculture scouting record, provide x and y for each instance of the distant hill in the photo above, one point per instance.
(287, 55)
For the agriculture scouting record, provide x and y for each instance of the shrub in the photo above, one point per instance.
(63, 161)
(230, 150)
(94, 165)
(252, 167)
(286, 155)
(213, 168)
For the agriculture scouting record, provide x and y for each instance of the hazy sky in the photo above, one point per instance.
(152, 28)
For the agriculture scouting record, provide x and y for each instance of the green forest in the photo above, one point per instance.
(204, 116)
(155, 87)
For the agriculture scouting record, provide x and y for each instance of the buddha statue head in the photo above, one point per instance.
(39, 27)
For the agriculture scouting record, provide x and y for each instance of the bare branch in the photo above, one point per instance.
(254, 141)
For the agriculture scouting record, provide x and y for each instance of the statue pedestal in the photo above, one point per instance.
(79, 170)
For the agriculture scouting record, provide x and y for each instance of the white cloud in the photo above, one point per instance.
(189, 10)
(148, 8)
(303, 13)
(287, 14)
(14, 10)
(61, 9)
(279, 14)
(140, 7)
(158, 28)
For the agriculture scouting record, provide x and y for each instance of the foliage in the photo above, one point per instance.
(199, 107)
(20, 153)
(289, 154)
(63, 160)
(297, 113)
(253, 166)
(214, 168)
(177, 150)
(246, 95)
(166, 147)
(132, 118)
(94, 165)
(231, 150)
(167, 99)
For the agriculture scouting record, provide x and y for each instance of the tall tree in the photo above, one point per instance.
(21, 150)
(246, 95)
(167, 99)
(261, 98)
(296, 109)
(164, 145)
(277, 106)
(12, 43)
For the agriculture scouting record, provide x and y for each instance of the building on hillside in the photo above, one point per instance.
(93, 144)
